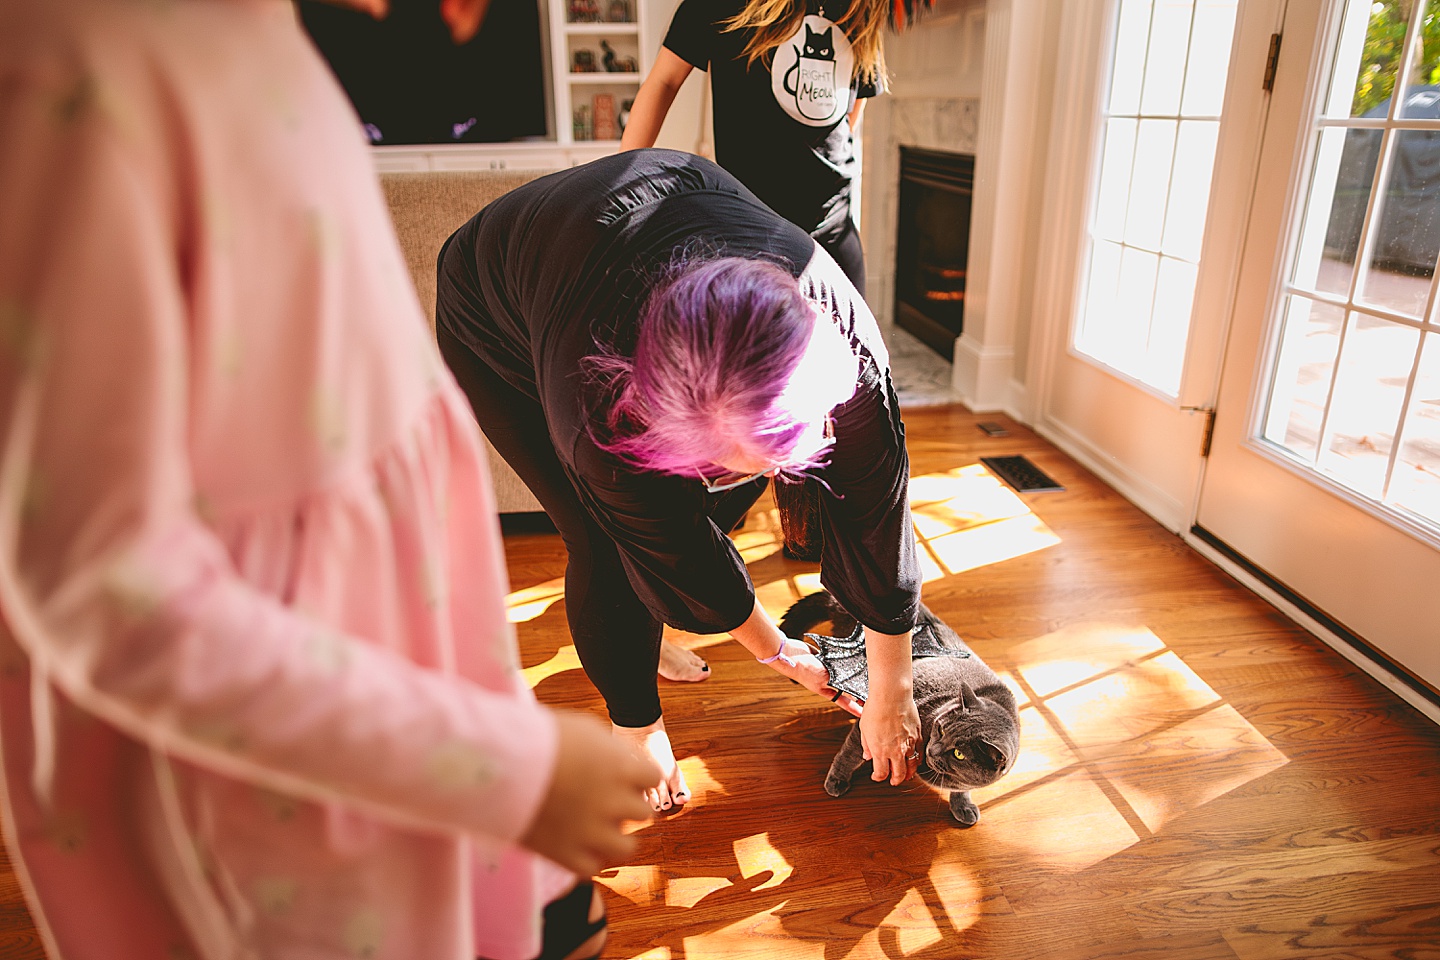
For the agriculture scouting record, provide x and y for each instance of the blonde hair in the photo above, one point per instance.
(775, 21)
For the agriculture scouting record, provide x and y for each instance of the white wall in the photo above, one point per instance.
(687, 126)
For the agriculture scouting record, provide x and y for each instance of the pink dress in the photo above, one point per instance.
(258, 694)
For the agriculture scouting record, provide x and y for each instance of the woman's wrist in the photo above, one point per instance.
(887, 657)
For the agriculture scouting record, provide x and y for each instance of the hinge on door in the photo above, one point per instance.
(1209, 428)
(1271, 62)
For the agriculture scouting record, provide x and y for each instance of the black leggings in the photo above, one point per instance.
(845, 248)
(616, 636)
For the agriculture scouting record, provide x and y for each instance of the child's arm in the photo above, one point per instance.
(653, 101)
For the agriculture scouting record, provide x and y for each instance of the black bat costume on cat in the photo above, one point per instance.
(526, 289)
(781, 124)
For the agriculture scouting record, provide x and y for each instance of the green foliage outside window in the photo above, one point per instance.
(1384, 46)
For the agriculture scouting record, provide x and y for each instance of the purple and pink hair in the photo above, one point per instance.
(718, 343)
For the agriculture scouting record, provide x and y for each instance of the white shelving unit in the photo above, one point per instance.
(581, 27)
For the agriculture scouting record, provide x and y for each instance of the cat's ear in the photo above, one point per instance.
(968, 700)
(990, 755)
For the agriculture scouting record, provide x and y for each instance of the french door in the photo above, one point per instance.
(1181, 116)
(1324, 471)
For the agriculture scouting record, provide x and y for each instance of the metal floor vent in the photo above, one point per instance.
(1021, 474)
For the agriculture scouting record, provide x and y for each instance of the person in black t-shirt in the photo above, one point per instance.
(789, 80)
(646, 344)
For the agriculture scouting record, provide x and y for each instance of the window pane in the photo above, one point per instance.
(1112, 200)
(1150, 183)
(1406, 226)
(1367, 61)
(1421, 92)
(1101, 288)
(1153, 189)
(1310, 341)
(1345, 162)
(1165, 64)
(1416, 483)
(1209, 66)
(1190, 188)
(1126, 340)
(1375, 365)
(1130, 46)
(1170, 328)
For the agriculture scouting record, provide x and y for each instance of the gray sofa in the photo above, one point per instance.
(426, 208)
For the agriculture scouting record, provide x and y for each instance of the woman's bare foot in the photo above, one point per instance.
(653, 743)
(677, 663)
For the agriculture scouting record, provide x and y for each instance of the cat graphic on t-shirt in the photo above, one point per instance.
(811, 81)
(811, 73)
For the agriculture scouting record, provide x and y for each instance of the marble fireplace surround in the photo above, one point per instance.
(966, 79)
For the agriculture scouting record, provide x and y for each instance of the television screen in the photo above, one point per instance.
(411, 84)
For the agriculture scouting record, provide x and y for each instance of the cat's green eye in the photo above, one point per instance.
(958, 754)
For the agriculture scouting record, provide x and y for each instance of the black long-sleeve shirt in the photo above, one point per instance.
(534, 281)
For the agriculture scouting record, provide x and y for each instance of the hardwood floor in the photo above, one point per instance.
(1199, 779)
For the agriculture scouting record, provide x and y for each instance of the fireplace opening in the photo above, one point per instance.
(932, 245)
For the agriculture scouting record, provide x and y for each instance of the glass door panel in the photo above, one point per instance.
(1360, 302)
(1161, 128)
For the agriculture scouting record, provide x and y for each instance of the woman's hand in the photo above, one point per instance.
(890, 724)
(890, 736)
(807, 670)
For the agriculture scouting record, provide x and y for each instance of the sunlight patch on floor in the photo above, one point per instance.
(776, 596)
(910, 924)
(991, 543)
(1158, 778)
(699, 779)
(755, 855)
(1117, 723)
(1067, 822)
(640, 884)
(759, 937)
(967, 518)
(531, 602)
(1080, 652)
(685, 892)
(565, 659)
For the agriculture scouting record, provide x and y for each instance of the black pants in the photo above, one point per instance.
(845, 248)
(616, 636)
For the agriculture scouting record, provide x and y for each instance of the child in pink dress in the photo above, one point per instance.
(258, 694)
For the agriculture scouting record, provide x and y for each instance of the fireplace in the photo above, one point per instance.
(932, 244)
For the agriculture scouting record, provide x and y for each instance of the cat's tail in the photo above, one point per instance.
(807, 613)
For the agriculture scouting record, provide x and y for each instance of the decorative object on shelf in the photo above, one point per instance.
(583, 61)
(583, 129)
(619, 12)
(903, 13)
(584, 11)
(623, 117)
(617, 64)
(604, 128)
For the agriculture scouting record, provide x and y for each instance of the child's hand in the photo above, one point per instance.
(597, 786)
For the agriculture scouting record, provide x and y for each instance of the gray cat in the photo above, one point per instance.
(969, 724)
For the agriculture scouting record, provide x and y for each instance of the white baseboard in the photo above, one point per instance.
(981, 375)
(1163, 508)
(1396, 685)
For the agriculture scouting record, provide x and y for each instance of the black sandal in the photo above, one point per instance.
(568, 924)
